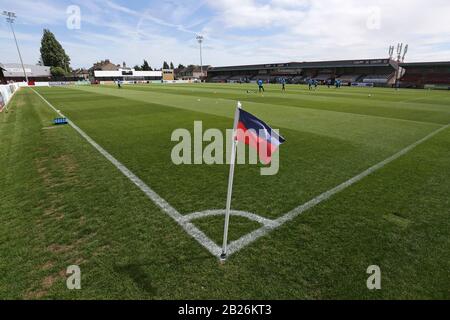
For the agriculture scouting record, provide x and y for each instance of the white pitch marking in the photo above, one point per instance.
(251, 216)
(251, 237)
(269, 225)
(197, 234)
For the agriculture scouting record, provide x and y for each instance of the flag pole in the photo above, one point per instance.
(223, 257)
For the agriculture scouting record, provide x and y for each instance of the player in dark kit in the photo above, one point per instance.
(283, 84)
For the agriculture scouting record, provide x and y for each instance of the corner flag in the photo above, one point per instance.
(257, 134)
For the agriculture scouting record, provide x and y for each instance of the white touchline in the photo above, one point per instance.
(268, 225)
(152, 195)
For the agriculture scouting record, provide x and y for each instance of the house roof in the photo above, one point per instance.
(15, 70)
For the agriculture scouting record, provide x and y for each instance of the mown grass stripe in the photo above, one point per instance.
(190, 228)
(248, 239)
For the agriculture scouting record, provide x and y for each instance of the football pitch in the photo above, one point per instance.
(364, 180)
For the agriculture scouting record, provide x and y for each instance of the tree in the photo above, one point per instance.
(137, 68)
(57, 71)
(180, 66)
(165, 65)
(171, 66)
(146, 66)
(52, 53)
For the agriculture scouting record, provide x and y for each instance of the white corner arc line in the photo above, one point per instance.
(192, 230)
(221, 212)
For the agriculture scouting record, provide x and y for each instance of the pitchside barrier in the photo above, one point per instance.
(180, 81)
(62, 83)
(437, 86)
(6, 93)
(362, 84)
(151, 82)
(69, 83)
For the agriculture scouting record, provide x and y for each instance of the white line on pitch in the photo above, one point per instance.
(269, 225)
(191, 229)
(251, 237)
(221, 212)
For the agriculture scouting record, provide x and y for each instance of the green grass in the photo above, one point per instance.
(62, 203)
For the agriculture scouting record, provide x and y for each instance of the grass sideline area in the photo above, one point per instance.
(63, 203)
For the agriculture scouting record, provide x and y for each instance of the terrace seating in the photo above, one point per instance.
(437, 78)
(219, 78)
(242, 77)
(323, 76)
(297, 79)
(265, 78)
(349, 78)
(261, 76)
(412, 78)
(378, 78)
(417, 78)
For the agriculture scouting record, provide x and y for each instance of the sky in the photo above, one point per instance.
(235, 31)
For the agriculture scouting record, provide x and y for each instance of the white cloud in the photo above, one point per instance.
(236, 31)
(332, 29)
(250, 13)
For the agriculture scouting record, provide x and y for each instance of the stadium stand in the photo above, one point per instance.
(296, 80)
(382, 71)
(240, 78)
(379, 72)
(264, 77)
(324, 76)
(349, 78)
(379, 78)
(426, 75)
(219, 78)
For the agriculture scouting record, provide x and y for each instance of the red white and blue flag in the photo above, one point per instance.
(257, 134)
